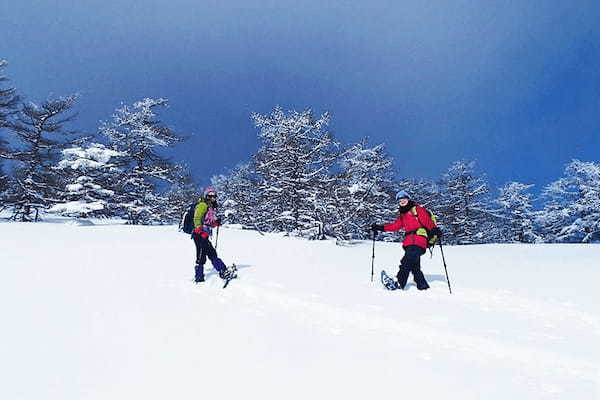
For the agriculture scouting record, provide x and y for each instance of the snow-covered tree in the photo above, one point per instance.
(572, 210)
(465, 215)
(40, 131)
(90, 177)
(8, 98)
(138, 134)
(239, 195)
(179, 197)
(516, 211)
(362, 192)
(423, 192)
(293, 166)
(8, 107)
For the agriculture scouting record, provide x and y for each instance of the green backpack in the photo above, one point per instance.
(431, 240)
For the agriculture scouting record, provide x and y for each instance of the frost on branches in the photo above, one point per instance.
(90, 176)
(39, 131)
(572, 211)
(8, 106)
(517, 213)
(179, 197)
(362, 192)
(135, 132)
(466, 217)
(239, 195)
(293, 166)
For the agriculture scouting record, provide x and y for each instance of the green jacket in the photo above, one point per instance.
(205, 217)
(199, 213)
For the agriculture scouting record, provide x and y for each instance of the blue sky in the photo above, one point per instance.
(513, 85)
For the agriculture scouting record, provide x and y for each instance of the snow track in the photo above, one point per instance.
(98, 312)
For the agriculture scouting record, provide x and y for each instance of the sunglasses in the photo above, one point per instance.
(211, 196)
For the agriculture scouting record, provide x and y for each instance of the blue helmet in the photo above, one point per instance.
(402, 194)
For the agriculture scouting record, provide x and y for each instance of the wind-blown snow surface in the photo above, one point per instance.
(111, 312)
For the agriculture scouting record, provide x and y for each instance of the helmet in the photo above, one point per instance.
(402, 194)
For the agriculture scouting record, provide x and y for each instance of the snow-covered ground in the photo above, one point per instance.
(111, 312)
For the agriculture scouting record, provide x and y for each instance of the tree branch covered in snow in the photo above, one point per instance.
(40, 132)
(138, 135)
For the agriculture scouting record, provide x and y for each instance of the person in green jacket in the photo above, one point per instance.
(205, 219)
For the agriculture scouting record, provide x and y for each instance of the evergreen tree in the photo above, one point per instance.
(40, 131)
(362, 192)
(8, 107)
(8, 99)
(572, 210)
(89, 178)
(293, 166)
(516, 211)
(465, 216)
(239, 195)
(553, 217)
(423, 192)
(135, 132)
(179, 197)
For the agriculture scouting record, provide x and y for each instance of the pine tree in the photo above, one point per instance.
(465, 215)
(8, 107)
(239, 195)
(8, 99)
(135, 132)
(362, 192)
(572, 210)
(293, 166)
(422, 192)
(41, 133)
(516, 211)
(89, 178)
(182, 193)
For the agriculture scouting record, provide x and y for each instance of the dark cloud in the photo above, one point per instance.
(512, 84)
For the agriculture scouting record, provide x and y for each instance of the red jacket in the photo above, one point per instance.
(410, 223)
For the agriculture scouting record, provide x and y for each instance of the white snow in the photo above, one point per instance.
(77, 207)
(110, 312)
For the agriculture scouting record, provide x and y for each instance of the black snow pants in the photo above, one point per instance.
(205, 249)
(411, 262)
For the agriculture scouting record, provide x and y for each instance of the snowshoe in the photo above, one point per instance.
(228, 274)
(387, 282)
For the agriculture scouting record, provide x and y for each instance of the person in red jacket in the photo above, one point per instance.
(419, 226)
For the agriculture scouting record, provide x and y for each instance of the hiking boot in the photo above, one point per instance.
(199, 273)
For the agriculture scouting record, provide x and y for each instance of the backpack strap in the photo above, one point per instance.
(423, 231)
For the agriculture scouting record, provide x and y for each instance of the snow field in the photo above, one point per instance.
(111, 312)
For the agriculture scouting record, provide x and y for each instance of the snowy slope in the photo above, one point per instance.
(111, 312)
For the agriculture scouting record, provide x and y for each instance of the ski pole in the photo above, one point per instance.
(373, 258)
(217, 239)
(445, 268)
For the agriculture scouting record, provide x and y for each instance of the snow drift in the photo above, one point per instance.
(111, 312)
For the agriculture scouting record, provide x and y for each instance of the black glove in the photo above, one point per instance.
(435, 232)
(376, 228)
(218, 221)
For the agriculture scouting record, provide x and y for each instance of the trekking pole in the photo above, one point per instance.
(373, 258)
(217, 239)
(445, 268)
